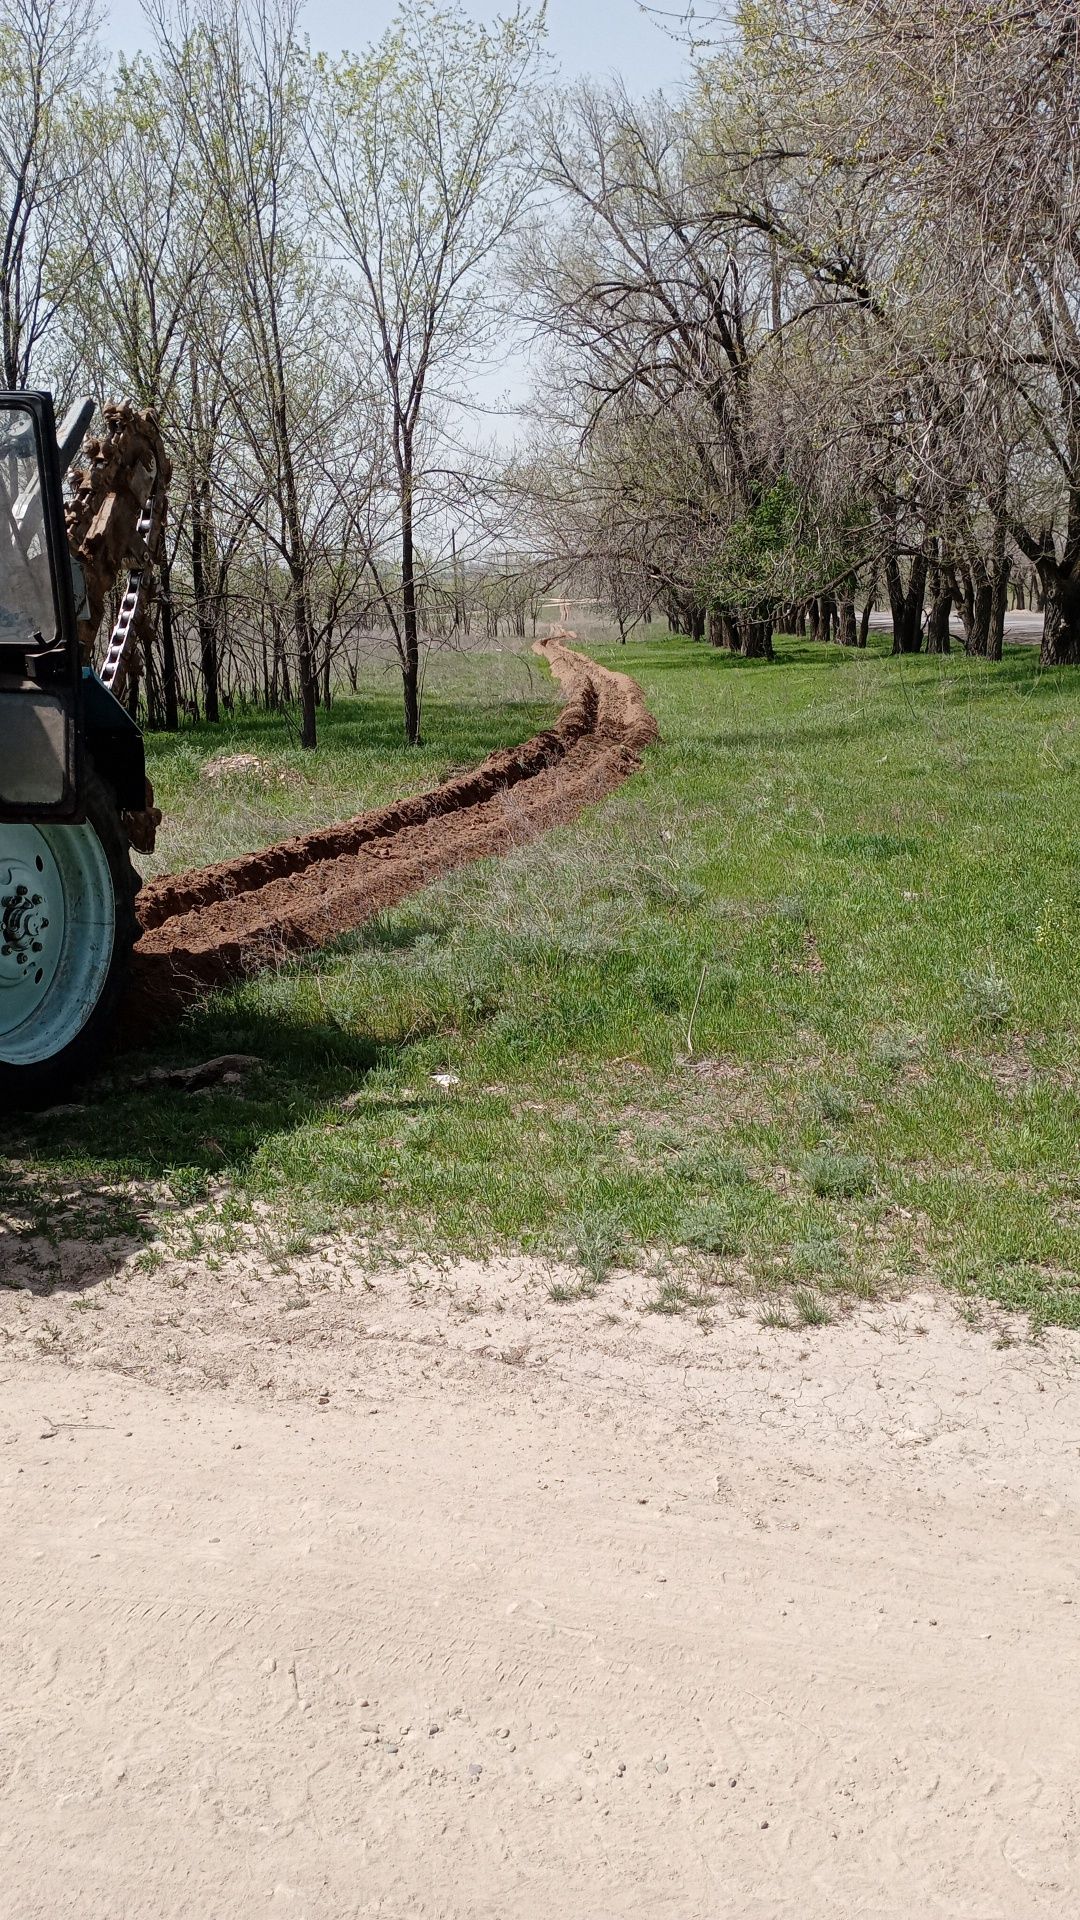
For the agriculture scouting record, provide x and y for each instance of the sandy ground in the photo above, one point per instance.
(334, 1592)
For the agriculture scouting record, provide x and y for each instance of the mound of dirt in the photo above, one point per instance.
(205, 927)
(224, 765)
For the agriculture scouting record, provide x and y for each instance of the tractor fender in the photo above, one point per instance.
(113, 743)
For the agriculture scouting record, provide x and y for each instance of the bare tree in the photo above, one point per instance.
(925, 163)
(238, 69)
(419, 149)
(48, 58)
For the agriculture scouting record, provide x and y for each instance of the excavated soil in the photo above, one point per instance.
(205, 927)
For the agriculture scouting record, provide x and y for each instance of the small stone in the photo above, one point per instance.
(433, 1729)
(764, 1824)
(660, 1765)
(733, 1782)
(475, 1770)
(620, 1768)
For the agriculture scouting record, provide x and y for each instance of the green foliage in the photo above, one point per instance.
(777, 553)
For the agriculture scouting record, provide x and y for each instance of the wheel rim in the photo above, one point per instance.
(57, 926)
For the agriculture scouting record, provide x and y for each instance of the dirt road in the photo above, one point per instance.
(204, 927)
(438, 1600)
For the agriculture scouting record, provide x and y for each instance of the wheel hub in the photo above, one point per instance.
(57, 922)
(23, 920)
(24, 924)
(32, 925)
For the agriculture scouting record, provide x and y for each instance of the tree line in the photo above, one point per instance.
(803, 336)
(288, 258)
(813, 330)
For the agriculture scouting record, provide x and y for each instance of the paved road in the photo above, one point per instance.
(1018, 626)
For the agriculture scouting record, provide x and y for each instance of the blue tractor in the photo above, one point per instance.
(73, 790)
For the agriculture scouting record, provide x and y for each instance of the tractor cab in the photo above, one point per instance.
(40, 669)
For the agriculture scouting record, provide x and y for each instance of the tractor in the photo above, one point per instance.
(74, 798)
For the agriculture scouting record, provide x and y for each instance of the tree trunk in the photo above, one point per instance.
(868, 608)
(999, 600)
(1061, 615)
(170, 701)
(847, 632)
(204, 617)
(938, 639)
(306, 668)
(978, 635)
(756, 638)
(410, 649)
(907, 605)
(999, 581)
(999, 565)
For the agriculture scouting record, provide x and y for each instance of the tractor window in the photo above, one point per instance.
(27, 602)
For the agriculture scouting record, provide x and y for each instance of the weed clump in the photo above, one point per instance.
(987, 997)
(712, 1227)
(811, 1308)
(897, 1047)
(834, 1104)
(839, 1176)
(673, 1296)
(594, 1246)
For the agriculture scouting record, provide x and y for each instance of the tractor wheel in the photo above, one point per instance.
(67, 927)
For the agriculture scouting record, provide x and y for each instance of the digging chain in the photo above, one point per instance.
(115, 524)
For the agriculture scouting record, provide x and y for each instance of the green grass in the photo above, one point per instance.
(472, 703)
(873, 861)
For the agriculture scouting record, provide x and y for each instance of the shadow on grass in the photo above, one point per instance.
(1019, 665)
(682, 653)
(367, 723)
(104, 1169)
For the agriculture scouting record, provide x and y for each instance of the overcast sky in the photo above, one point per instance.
(585, 36)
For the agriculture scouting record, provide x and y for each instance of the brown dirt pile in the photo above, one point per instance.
(205, 927)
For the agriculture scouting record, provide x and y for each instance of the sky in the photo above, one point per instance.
(600, 37)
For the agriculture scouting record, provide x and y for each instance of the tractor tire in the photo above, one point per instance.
(67, 928)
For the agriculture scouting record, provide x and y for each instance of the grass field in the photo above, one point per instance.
(856, 877)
